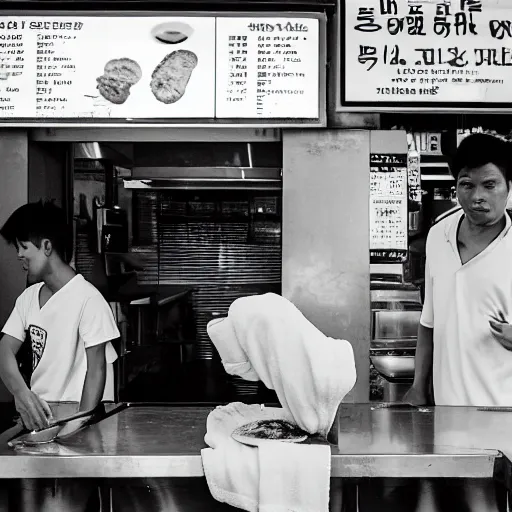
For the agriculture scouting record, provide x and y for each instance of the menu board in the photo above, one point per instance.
(444, 53)
(267, 67)
(130, 68)
(388, 208)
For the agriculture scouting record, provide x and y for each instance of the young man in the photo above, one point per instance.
(465, 336)
(66, 321)
(465, 332)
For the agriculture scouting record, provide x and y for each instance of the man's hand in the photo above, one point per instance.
(502, 331)
(415, 396)
(34, 411)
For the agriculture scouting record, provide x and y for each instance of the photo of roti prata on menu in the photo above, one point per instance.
(108, 67)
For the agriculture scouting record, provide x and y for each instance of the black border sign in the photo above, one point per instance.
(319, 120)
(424, 55)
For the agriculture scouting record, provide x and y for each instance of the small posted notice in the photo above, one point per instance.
(388, 208)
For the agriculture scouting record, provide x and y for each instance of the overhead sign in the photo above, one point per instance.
(154, 68)
(438, 54)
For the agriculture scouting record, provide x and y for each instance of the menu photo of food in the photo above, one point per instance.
(119, 75)
(165, 68)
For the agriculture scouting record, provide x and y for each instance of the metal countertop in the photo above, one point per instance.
(162, 441)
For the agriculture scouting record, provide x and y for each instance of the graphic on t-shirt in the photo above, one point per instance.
(38, 343)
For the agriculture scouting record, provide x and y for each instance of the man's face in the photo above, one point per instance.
(482, 193)
(33, 260)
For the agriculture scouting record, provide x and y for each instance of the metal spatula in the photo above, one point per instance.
(48, 434)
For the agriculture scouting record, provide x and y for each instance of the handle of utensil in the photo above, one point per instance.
(76, 416)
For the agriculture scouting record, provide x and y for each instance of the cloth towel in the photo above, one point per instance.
(273, 477)
(265, 337)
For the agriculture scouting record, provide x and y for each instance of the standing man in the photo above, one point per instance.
(67, 323)
(465, 332)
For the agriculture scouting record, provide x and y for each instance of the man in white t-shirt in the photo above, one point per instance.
(66, 321)
(465, 332)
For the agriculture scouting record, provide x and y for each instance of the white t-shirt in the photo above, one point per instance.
(470, 367)
(74, 318)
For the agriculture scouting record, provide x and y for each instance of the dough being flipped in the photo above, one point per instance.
(118, 76)
(170, 78)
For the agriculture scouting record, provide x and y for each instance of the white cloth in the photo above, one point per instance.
(274, 477)
(75, 318)
(470, 367)
(267, 337)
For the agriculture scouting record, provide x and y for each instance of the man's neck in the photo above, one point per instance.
(59, 275)
(482, 233)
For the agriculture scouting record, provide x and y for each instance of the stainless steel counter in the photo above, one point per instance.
(163, 441)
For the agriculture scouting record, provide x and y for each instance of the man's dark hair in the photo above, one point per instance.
(479, 149)
(33, 222)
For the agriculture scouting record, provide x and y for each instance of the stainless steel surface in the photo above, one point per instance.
(208, 173)
(396, 324)
(88, 151)
(204, 178)
(394, 367)
(136, 134)
(408, 344)
(162, 441)
(163, 184)
(103, 151)
(396, 295)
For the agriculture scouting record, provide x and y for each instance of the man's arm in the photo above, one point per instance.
(94, 385)
(34, 411)
(423, 361)
(419, 394)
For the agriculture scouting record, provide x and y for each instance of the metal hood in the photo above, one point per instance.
(103, 151)
(205, 178)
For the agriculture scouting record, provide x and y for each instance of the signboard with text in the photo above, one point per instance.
(147, 68)
(388, 208)
(440, 55)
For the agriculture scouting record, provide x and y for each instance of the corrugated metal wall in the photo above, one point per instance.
(224, 244)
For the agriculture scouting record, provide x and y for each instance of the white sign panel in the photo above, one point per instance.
(267, 68)
(422, 53)
(158, 67)
(107, 67)
(388, 207)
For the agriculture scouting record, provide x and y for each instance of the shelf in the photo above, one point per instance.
(436, 177)
(434, 164)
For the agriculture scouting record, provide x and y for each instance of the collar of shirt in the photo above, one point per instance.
(452, 228)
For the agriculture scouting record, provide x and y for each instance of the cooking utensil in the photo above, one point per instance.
(47, 434)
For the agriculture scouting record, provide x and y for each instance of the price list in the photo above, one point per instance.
(14, 67)
(388, 207)
(56, 52)
(267, 68)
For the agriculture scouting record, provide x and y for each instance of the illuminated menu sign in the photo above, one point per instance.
(427, 53)
(388, 208)
(156, 68)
